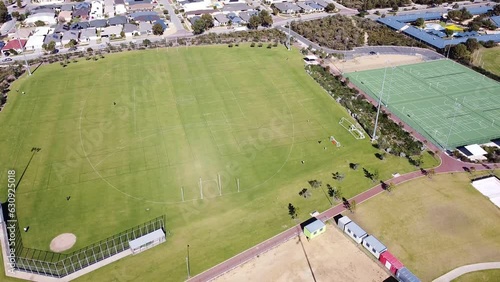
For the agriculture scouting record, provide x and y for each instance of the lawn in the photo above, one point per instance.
(489, 59)
(129, 137)
(480, 276)
(434, 225)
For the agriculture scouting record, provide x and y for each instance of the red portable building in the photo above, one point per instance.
(390, 262)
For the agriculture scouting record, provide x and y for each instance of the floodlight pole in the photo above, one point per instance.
(24, 55)
(457, 105)
(288, 40)
(374, 136)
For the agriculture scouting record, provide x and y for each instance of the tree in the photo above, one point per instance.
(420, 22)
(472, 44)
(199, 26)
(146, 42)
(209, 21)
(395, 8)
(157, 29)
(330, 8)
(449, 32)
(72, 43)
(49, 47)
(455, 6)
(39, 23)
(265, 18)
(254, 22)
(4, 13)
(19, 3)
(353, 205)
(314, 183)
(292, 211)
(460, 52)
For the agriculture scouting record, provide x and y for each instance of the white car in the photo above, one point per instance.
(7, 60)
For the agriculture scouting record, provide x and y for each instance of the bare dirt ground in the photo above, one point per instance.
(62, 242)
(375, 62)
(333, 257)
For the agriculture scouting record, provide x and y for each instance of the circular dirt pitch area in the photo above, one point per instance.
(62, 242)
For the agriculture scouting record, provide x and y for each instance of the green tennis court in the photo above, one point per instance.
(446, 102)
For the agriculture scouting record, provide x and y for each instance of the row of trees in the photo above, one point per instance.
(373, 4)
(335, 32)
(392, 138)
(206, 21)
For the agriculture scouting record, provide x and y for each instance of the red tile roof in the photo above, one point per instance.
(14, 44)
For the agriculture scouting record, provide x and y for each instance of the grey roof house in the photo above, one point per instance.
(130, 30)
(305, 8)
(69, 35)
(98, 23)
(88, 34)
(220, 19)
(287, 8)
(245, 16)
(145, 28)
(56, 37)
(236, 7)
(117, 20)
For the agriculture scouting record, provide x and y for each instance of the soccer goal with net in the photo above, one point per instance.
(355, 131)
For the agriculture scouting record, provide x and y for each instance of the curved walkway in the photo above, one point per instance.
(459, 271)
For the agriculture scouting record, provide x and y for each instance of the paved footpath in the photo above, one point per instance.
(459, 271)
(448, 164)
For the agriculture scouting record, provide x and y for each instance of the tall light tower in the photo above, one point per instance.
(288, 39)
(374, 135)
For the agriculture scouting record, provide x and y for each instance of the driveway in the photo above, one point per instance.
(174, 19)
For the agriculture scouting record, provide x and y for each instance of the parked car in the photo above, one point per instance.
(7, 60)
(72, 49)
(55, 51)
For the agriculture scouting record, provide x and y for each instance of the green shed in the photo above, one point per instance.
(314, 228)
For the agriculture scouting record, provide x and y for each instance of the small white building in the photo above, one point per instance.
(96, 10)
(112, 31)
(311, 60)
(35, 43)
(489, 187)
(147, 241)
(355, 232)
(474, 152)
(47, 18)
(342, 222)
(109, 8)
(120, 7)
(374, 246)
(194, 5)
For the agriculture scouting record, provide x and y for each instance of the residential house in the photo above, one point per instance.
(145, 28)
(47, 1)
(82, 5)
(199, 13)
(70, 35)
(245, 16)
(235, 20)
(109, 8)
(43, 30)
(287, 8)
(112, 31)
(140, 6)
(42, 10)
(374, 246)
(15, 44)
(89, 34)
(56, 37)
(35, 43)
(355, 232)
(314, 6)
(47, 18)
(193, 5)
(237, 7)
(80, 25)
(270, 2)
(130, 30)
(82, 13)
(61, 28)
(161, 22)
(305, 8)
(145, 16)
(120, 8)
(23, 33)
(118, 20)
(67, 7)
(96, 10)
(99, 24)
(194, 19)
(220, 20)
(64, 16)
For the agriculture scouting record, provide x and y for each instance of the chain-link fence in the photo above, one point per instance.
(60, 265)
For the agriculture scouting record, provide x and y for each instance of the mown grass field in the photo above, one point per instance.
(434, 225)
(124, 135)
(489, 59)
(480, 276)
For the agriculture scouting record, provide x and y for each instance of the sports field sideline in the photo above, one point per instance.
(446, 102)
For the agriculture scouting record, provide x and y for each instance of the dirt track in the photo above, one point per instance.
(375, 62)
(332, 255)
